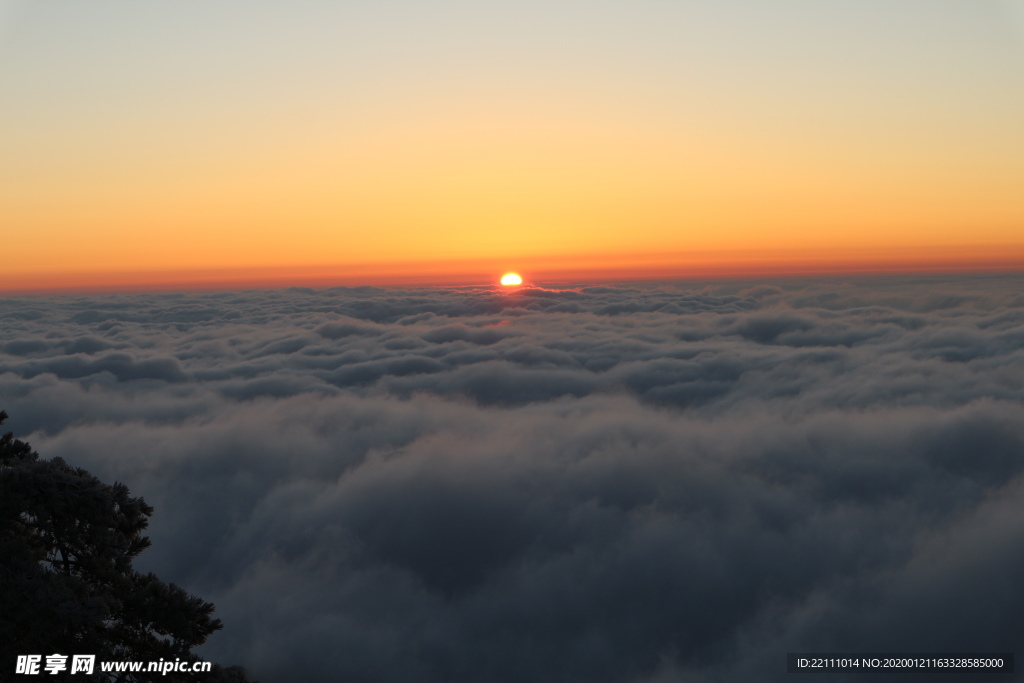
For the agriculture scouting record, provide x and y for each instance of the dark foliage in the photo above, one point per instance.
(67, 541)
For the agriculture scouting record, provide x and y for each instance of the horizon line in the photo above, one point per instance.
(713, 266)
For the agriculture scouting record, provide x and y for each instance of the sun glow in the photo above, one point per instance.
(511, 280)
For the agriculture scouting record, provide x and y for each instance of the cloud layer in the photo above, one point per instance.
(648, 483)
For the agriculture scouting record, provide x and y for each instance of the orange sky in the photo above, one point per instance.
(567, 268)
(429, 156)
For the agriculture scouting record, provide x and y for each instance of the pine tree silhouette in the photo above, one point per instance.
(67, 586)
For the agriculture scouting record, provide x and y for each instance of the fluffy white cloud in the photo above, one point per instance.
(602, 483)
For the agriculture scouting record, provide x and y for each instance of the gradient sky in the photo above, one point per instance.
(187, 140)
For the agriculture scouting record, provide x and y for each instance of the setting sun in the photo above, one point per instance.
(511, 279)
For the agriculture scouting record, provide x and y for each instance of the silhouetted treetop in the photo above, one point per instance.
(67, 541)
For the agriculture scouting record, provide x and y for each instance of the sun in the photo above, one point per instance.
(511, 280)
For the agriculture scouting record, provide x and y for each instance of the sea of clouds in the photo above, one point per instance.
(628, 483)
